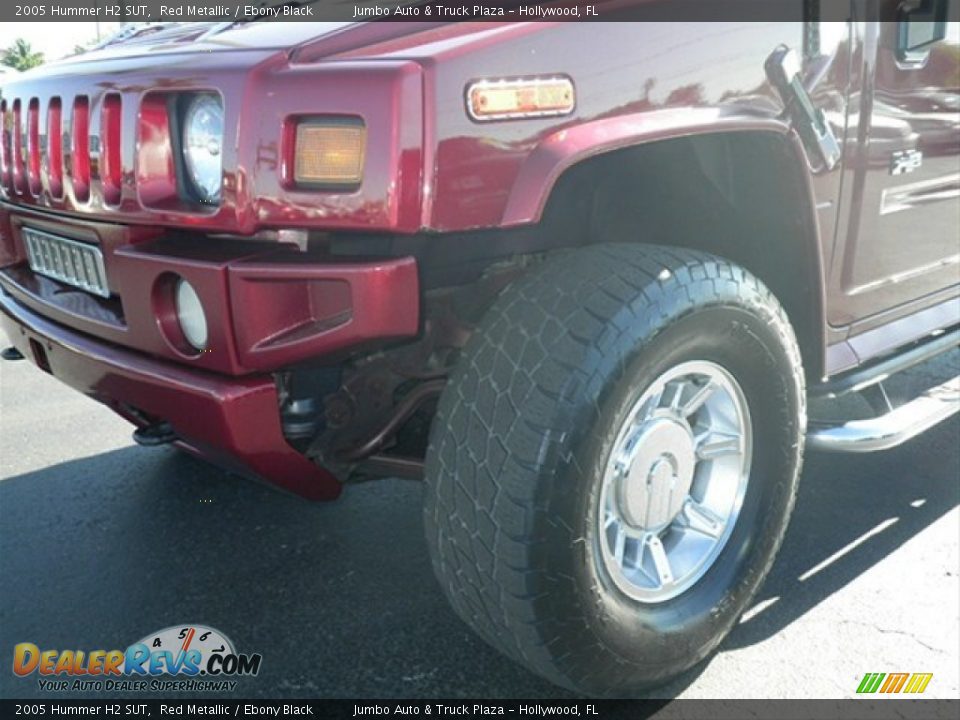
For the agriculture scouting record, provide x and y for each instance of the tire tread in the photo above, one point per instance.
(496, 426)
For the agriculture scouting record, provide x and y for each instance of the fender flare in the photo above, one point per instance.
(563, 149)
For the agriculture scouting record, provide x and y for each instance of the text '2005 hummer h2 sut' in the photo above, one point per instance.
(583, 290)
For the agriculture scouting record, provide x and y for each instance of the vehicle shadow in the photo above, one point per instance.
(854, 510)
(851, 512)
(340, 598)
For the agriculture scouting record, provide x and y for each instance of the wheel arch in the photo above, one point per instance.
(736, 187)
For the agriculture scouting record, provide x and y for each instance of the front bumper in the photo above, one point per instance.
(268, 305)
(232, 421)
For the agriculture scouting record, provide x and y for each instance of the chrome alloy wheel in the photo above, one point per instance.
(674, 481)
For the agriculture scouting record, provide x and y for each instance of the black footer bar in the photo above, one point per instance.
(872, 708)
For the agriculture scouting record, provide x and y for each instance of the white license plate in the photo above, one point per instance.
(69, 261)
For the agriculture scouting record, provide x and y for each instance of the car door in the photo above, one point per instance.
(901, 246)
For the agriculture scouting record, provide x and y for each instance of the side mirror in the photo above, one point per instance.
(921, 23)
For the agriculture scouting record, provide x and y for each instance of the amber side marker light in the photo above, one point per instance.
(329, 154)
(524, 98)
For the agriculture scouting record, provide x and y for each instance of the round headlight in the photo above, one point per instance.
(193, 321)
(203, 146)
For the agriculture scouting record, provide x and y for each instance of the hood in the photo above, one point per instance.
(191, 38)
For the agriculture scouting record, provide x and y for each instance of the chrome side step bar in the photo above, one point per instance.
(893, 428)
(877, 372)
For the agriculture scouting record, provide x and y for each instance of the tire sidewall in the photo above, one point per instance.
(684, 629)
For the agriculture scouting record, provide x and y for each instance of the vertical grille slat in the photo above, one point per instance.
(54, 149)
(80, 149)
(6, 158)
(110, 161)
(19, 184)
(33, 147)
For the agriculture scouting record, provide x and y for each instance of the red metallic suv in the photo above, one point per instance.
(580, 279)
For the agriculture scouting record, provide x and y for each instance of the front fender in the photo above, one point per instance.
(566, 147)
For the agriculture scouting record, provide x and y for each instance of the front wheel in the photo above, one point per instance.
(613, 463)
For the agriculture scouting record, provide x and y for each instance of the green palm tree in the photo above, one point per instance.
(21, 56)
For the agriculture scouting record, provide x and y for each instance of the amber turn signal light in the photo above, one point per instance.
(329, 153)
(529, 98)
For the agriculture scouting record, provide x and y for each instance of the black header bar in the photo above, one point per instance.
(231, 11)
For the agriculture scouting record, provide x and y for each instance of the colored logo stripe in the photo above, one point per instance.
(918, 683)
(894, 682)
(870, 682)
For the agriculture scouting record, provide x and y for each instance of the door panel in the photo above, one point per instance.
(905, 243)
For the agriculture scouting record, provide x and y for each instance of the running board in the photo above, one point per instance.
(895, 427)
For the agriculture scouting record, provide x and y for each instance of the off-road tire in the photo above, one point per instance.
(522, 432)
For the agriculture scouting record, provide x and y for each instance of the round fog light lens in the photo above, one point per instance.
(190, 314)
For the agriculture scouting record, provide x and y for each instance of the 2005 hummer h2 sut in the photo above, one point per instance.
(583, 289)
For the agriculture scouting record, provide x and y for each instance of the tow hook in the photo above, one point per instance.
(159, 433)
(11, 353)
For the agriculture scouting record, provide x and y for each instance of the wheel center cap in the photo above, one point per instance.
(658, 477)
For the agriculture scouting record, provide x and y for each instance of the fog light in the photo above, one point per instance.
(190, 315)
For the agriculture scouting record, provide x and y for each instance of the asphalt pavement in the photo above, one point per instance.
(103, 542)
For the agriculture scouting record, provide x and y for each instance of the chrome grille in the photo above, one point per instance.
(69, 261)
(47, 141)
